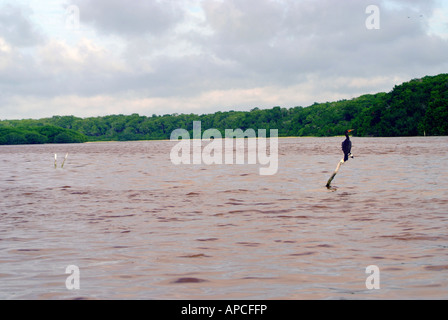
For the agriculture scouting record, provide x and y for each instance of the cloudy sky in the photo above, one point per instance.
(99, 57)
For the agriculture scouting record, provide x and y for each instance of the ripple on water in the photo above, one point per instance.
(140, 227)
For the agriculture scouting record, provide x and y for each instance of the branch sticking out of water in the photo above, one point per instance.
(336, 171)
(56, 160)
(63, 162)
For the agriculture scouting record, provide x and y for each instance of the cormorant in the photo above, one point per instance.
(347, 145)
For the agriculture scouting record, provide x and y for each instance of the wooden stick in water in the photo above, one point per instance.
(62, 166)
(335, 173)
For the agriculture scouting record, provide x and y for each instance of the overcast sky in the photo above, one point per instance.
(99, 57)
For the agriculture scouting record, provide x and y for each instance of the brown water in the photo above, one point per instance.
(139, 227)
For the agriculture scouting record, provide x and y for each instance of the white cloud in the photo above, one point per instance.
(438, 23)
(16, 27)
(209, 55)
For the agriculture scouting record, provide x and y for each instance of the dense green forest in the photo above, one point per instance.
(39, 134)
(415, 108)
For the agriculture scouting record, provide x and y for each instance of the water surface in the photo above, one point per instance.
(139, 227)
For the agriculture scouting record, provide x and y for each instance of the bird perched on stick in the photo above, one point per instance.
(347, 149)
(347, 146)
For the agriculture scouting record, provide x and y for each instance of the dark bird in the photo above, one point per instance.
(347, 145)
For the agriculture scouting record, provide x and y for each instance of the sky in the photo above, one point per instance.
(100, 57)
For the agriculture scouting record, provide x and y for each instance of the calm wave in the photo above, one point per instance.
(139, 227)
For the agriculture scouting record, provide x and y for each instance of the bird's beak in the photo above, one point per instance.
(351, 130)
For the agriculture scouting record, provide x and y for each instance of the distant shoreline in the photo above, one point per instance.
(292, 137)
(167, 140)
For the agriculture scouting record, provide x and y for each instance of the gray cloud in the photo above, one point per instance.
(136, 18)
(16, 28)
(326, 37)
(206, 54)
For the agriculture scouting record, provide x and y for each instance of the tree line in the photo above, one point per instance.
(38, 134)
(415, 108)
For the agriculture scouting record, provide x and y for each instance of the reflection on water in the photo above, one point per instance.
(138, 226)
